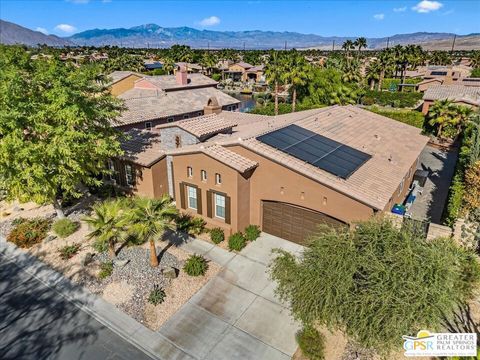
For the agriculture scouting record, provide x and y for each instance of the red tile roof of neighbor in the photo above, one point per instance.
(203, 125)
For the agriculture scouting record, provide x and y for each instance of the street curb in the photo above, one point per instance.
(146, 340)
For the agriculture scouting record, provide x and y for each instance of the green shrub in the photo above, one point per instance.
(475, 73)
(252, 232)
(389, 83)
(455, 200)
(311, 342)
(395, 99)
(28, 232)
(190, 224)
(237, 241)
(106, 269)
(196, 265)
(410, 117)
(217, 235)
(64, 227)
(69, 251)
(217, 77)
(157, 295)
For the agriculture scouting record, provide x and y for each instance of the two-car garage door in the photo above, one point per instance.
(293, 222)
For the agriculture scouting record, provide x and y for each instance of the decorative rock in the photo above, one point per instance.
(170, 272)
(49, 238)
(88, 259)
(121, 263)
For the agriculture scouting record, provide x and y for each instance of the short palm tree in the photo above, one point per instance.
(463, 115)
(441, 113)
(373, 73)
(109, 224)
(361, 42)
(168, 65)
(150, 218)
(274, 73)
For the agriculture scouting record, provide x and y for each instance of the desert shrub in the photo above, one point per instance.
(311, 342)
(28, 232)
(237, 241)
(395, 99)
(217, 235)
(69, 251)
(106, 269)
(190, 224)
(410, 117)
(195, 265)
(252, 232)
(64, 227)
(157, 295)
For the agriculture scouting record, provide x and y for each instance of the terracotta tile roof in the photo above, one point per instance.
(243, 64)
(142, 147)
(230, 158)
(144, 105)
(394, 147)
(203, 126)
(169, 82)
(119, 75)
(456, 93)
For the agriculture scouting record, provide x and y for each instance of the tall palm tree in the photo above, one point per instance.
(385, 59)
(347, 46)
(441, 113)
(150, 218)
(296, 74)
(373, 73)
(168, 65)
(463, 115)
(361, 42)
(274, 73)
(351, 71)
(109, 224)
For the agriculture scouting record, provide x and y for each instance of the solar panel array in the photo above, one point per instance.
(317, 150)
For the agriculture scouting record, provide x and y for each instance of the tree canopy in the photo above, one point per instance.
(376, 283)
(55, 126)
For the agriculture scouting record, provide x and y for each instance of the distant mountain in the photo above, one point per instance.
(156, 36)
(11, 33)
(152, 35)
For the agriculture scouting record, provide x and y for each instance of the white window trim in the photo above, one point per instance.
(218, 179)
(203, 175)
(188, 198)
(129, 174)
(189, 172)
(215, 205)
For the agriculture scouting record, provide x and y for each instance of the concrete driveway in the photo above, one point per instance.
(236, 315)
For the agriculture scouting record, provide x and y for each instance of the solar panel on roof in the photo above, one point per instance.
(326, 154)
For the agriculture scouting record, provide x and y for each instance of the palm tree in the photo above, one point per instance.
(351, 71)
(441, 113)
(463, 115)
(109, 223)
(373, 73)
(347, 46)
(168, 65)
(296, 73)
(274, 73)
(385, 59)
(361, 42)
(475, 59)
(150, 218)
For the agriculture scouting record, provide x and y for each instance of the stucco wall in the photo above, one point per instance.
(168, 137)
(125, 84)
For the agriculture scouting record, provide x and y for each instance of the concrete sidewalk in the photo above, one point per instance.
(236, 315)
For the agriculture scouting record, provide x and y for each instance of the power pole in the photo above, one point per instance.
(244, 46)
(453, 44)
(285, 45)
(209, 46)
(388, 41)
(333, 45)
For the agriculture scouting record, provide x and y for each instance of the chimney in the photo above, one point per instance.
(181, 76)
(212, 107)
(449, 77)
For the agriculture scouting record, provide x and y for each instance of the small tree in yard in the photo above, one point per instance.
(109, 223)
(376, 283)
(55, 127)
(150, 218)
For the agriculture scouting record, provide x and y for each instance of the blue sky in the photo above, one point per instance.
(342, 18)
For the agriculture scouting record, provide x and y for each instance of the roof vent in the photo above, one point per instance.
(377, 136)
(390, 158)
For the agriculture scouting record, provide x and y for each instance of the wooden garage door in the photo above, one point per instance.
(293, 222)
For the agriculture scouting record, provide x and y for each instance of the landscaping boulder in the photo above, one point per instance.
(49, 238)
(170, 272)
(88, 259)
(120, 263)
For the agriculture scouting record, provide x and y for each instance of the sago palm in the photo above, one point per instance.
(109, 224)
(150, 218)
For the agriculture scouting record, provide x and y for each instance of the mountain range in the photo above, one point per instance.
(152, 35)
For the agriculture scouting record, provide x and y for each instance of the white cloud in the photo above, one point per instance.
(379, 16)
(425, 6)
(210, 21)
(65, 28)
(42, 30)
(400, 9)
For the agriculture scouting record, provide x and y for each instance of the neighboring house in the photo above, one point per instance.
(288, 173)
(152, 64)
(245, 72)
(459, 94)
(154, 100)
(190, 67)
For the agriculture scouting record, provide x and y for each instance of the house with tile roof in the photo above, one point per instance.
(286, 173)
(459, 94)
(155, 100)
